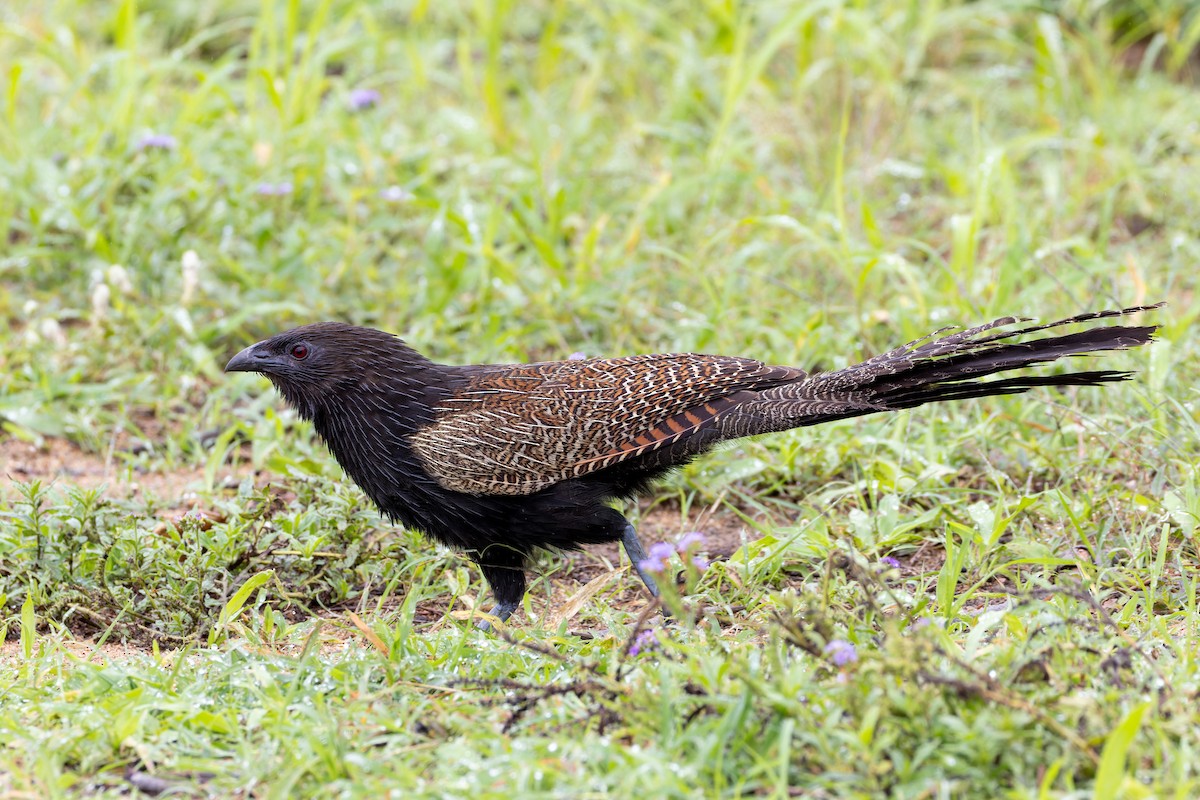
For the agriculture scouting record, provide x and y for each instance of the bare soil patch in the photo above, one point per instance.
(62, 462)
(12, 656)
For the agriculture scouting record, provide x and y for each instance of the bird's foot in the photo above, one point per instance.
(633, 548)
(502, 612)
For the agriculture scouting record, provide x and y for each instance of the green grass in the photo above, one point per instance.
(806, 183)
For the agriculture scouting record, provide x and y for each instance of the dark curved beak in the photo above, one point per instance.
(249, 360)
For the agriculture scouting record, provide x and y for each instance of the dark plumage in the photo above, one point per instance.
(500, 460)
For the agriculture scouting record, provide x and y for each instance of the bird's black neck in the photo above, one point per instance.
(367, 426)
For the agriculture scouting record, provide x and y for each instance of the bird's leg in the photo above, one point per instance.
(507, 581)
(501, 611)
(633, 548)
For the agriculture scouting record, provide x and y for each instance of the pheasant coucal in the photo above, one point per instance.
(499, 460)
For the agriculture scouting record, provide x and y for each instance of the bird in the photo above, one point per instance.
(501, 461)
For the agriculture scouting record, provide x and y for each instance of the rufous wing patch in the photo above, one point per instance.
(668, 432)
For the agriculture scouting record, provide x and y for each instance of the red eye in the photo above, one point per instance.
(299, 351)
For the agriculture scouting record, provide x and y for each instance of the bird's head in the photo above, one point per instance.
(314, 362)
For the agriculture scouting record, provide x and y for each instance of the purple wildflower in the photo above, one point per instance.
(700, 563)
(274, 189)
(363, 99)
(577, 357)
(657, 560)
(692, 540)
(841, 652)
(157, 141)
(889, 562)
(645, 640)
(661, 550)
(394, 194)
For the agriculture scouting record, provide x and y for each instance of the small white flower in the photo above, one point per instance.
(100, 297)
(395, 194)
(191, 276)
(118, 278)
(51, 331)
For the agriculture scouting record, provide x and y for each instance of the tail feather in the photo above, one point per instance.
(932, 369)
(977, 361)
(950, 367)
(967, 390)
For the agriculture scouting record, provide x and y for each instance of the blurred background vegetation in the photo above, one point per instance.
(789, 180)
(802, 182)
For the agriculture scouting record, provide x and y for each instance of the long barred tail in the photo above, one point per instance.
(937, 368)
(950, 367)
